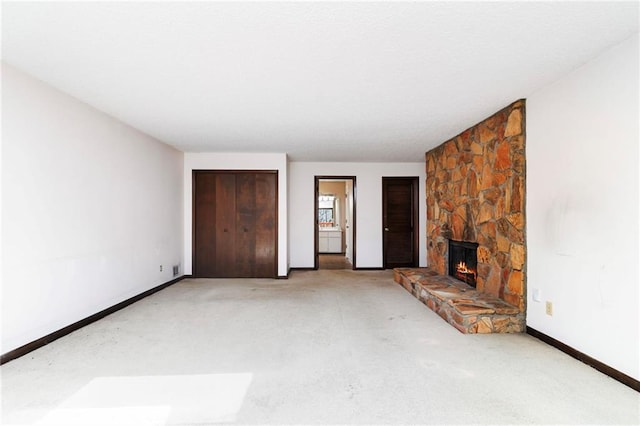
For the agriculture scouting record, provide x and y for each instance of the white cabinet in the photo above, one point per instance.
(323, 243)
(335, 242)
(330, 241)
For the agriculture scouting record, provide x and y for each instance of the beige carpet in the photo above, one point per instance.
(323, 347)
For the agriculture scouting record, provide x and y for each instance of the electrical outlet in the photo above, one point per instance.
(549, 308)
(160, 268)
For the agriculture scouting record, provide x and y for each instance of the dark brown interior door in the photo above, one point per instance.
(400, 220)
(235, 224)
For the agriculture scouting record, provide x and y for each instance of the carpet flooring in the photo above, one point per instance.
(323, 347)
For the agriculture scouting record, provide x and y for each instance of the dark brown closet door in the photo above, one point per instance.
(235, 224)
(266, 224)
(204, 219)
(225, 229)
(400, 211)
(245, 225)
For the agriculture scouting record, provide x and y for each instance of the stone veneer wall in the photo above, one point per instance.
(476, 192)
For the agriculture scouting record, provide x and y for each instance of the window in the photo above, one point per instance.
(325, 210)
(325, 216)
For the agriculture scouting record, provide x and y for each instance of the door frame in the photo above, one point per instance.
(415, 213)
(316, 226)
(194, 172)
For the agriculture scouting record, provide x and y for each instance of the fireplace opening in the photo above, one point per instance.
(463, 261)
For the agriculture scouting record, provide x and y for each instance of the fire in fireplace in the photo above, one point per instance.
(463, 261)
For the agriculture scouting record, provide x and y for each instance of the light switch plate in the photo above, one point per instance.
(536, 295)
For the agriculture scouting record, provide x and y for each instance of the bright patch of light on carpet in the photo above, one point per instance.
(154, 400)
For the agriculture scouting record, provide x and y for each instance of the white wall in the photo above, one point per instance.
(368, 208)
(91, 209)
(236, 161)
(582, 208)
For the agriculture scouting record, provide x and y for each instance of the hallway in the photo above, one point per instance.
(329, 346)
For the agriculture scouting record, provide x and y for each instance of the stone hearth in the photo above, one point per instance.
(462, 306)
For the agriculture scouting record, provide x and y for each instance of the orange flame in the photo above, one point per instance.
(462, 268)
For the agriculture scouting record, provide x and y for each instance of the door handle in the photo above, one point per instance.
(386, 229)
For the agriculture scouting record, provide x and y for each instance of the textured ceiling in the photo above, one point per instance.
(331, 81)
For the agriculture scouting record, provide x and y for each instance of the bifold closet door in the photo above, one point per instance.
(225, 226)
(235, 224)
(266, 225)
(204, 222)
(245, 215)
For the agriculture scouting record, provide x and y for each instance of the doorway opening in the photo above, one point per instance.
(335, 225)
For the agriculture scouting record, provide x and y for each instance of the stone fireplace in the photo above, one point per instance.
(475, 194)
